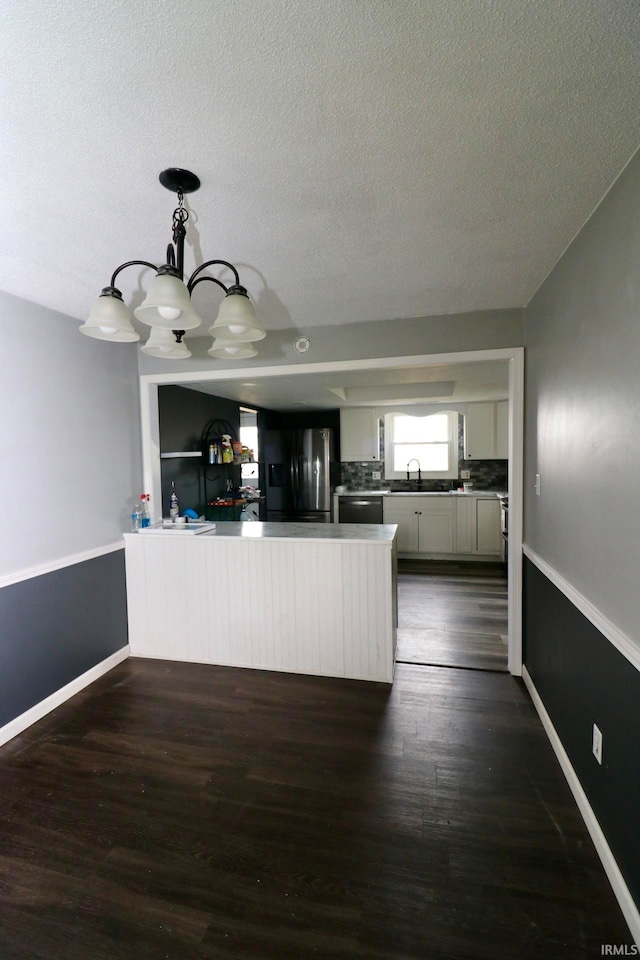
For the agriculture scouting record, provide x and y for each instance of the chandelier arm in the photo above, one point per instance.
(200, 279)
(211, 263)
(131, 263)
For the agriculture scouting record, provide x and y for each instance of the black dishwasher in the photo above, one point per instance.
(360, 510)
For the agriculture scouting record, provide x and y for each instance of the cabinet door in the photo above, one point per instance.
(359, 435)
(404, 512)
(465, 527)
(502, 430)
(407, 531)
(488, 526)
(435, 530)
(479, 431)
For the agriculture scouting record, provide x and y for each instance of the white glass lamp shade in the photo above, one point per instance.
(231, 350)
(237, 320)
(167, 305)
(162, 343)
(109, 320)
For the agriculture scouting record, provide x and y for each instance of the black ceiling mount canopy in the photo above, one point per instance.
(167, 306)
(179, 181)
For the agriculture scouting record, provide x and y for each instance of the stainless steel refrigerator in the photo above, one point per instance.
(300, 475)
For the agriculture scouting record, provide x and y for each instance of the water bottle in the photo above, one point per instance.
(136, 518)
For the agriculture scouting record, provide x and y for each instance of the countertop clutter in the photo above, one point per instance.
(170, 528)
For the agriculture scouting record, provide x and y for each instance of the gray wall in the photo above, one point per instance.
(481, 330)
(581, 434)
(71, 469)
(69, 436)
(583, 409)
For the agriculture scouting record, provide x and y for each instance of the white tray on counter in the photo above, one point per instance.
(179, 528)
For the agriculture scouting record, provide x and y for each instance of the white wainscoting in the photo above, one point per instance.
(324, 608)
(617, 881)
(18, 724)
(627, 647)
(70, 560)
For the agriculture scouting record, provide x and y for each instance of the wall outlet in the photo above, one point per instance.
(465, 474)
(537, 484)
(376, 475)
(597, 744)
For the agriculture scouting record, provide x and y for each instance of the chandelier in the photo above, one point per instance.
(167, 307)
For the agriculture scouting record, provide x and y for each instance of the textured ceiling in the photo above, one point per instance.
(360, 159)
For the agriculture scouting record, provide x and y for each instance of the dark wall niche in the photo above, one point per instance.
(183, 415)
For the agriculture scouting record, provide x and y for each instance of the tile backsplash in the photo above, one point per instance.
(485, 474)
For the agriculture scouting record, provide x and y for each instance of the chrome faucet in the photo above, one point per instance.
(415, 460)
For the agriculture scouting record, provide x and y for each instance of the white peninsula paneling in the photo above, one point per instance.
(323, 607)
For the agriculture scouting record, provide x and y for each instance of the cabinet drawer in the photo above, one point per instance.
(393, 505)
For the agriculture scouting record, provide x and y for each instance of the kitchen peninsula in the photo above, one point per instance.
(308, 598)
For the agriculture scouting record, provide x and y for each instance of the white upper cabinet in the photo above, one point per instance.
(502, 430)
(486, 431)
(359, 434)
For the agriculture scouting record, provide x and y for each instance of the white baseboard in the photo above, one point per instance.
(620, 889)
(18, 724)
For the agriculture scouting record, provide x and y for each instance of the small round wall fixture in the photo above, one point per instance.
(302, 344)
(167, 307)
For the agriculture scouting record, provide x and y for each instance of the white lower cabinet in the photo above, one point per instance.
(488, 537)
(425, 524)
(459, 526)
(465, 525)
(478, 526)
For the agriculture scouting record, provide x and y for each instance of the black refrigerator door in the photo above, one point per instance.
(298, 473)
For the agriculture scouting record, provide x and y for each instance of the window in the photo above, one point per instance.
(249, 438)
(431, 440)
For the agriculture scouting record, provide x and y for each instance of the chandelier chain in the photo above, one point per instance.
(180, 214)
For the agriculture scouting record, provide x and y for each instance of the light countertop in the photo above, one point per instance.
(421, 493)
(380, 533)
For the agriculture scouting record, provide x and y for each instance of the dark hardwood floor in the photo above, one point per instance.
(182, 811)
(452, 614)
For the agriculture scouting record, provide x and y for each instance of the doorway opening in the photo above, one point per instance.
(234, 383)
(250, 469)
(453, 614)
